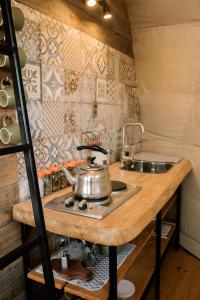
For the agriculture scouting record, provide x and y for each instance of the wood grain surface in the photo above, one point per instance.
(115, 32)
(123, 224)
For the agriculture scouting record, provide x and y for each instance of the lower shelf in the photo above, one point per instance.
(138, 267)
(142, 270)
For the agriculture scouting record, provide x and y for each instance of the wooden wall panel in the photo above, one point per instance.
(115, 32)
(10, 237)
(9, 170)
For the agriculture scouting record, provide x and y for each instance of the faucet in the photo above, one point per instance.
(128, 155)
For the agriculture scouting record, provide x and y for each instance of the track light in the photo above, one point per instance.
(107, 14)
(106, 11)
(91, 3)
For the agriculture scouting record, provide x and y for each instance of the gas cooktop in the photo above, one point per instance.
(96, 210)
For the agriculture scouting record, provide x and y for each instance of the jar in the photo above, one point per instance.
(63, 179)
(55, 178)
(41, 183)
(47, 182)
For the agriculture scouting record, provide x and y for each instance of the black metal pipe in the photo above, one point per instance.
(26, 262)
(26, 139)
(158, 256)
(112, 273)
(178, 218)
(14, 149)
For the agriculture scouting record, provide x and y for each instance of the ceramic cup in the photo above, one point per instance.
(7, 96)
(10, 132)
(5, 63)
(18, 18)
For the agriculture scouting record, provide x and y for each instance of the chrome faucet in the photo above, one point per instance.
(128, 154)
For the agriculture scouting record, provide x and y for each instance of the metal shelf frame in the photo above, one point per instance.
(9, 48)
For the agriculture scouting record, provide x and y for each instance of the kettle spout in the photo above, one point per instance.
(71, 179)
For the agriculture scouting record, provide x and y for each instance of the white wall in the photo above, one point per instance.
(166, 40)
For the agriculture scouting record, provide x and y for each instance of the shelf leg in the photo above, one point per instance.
(158, 258)
(178, 217)
(26, 262)
(113, 273)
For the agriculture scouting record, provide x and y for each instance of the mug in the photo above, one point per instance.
(10, 132)
(18, 18)
(5, 63)
(7, 96)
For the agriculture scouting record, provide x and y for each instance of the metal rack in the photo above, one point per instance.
(9, 48)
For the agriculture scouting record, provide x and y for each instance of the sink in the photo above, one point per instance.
(147, 166)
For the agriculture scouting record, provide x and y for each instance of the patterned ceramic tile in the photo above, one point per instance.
(111, 64)
(35, 118)
(99, 60)
(71, 142)
(51, 42)
(111, 92)
(53, 118)
(130, 72)
(52, 84)
(121, 93)
(72, 86)
(72, 118)
(101, 90)
(88, 88)
(72, 49)
(38, 152)
(121, 68)
(88, 49)
(29, 39)
(54, 150)
(21, 166)
(31, 80)
(132, 103)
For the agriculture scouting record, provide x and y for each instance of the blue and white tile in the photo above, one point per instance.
(35, 118)
(88, 88)
(72, 86)
(71, 142)
(53, 119)
(29, 39)
(51, 42)
(32, 81)
(72, 118)
(53, 84)
(38, 153)
(54, 150)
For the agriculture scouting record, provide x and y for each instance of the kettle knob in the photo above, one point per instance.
(92, 160)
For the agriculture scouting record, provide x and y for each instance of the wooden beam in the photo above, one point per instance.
(115, 32)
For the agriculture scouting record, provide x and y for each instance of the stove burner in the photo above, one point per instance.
(118, 186)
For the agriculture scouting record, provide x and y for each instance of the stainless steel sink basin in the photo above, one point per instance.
(147, 166)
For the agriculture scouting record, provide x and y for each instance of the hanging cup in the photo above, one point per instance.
(5, 63)
(18, 18)
(7, 96)
(10, 132)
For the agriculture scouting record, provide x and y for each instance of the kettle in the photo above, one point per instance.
(92, 181)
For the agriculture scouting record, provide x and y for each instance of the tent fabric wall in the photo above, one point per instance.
(167, 59)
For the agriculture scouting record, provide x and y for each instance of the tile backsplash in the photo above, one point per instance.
(66, 71)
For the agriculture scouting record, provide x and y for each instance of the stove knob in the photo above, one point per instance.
(83, 205)
(69, 202)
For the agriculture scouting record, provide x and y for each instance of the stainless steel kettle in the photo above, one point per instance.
(92, 181)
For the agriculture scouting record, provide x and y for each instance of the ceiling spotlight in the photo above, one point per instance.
(91, 2)
(106, 11)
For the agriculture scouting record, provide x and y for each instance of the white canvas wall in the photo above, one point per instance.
(166, 41)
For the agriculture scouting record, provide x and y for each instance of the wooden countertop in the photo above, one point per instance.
(123, 224)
